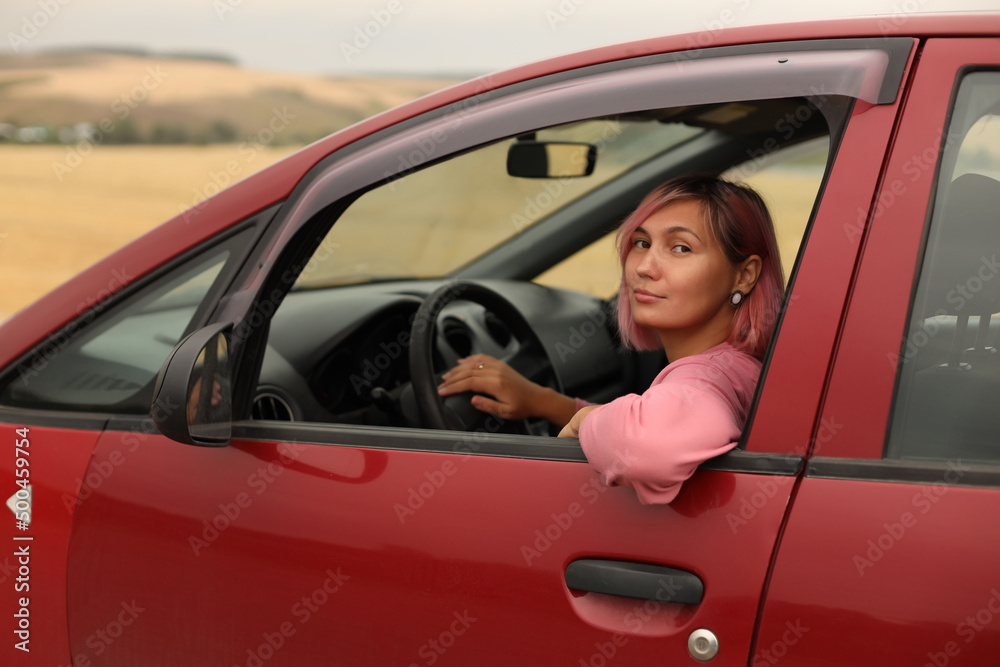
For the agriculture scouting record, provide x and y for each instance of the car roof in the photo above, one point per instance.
(276, 182)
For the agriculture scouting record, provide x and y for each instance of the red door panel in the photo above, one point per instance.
(297, 554)
(33, 560)
(878, 573)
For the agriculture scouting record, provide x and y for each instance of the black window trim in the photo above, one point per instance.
(953, 472)
(459, 442)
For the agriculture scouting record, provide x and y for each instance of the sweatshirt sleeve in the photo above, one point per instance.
(655, 441)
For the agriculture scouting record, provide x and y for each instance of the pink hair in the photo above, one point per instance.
(741, 225)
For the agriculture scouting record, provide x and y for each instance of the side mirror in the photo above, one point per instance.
(547, 159)
(192, 401)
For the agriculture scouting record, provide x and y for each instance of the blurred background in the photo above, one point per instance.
(116, 116)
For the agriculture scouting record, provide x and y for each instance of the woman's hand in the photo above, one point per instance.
(572, 429)
(515, 397)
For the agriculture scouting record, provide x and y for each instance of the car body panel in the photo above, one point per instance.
(33, 562)
(416, 539)
(887, 573)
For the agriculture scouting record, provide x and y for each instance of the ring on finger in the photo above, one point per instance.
(482, 365)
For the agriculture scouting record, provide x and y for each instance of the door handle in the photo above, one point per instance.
(635, 580)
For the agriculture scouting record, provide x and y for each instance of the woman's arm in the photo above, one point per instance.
(654, 442)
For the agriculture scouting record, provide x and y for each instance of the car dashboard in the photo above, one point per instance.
(341, 354)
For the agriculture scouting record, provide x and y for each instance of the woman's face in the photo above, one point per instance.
(679, 281)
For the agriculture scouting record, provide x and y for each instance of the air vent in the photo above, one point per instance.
(268, 405)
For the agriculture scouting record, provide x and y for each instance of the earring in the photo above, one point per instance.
(736, 298)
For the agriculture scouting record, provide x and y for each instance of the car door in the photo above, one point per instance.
(890, 554)
(306, 542)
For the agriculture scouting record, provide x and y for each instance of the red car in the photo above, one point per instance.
(314, 502)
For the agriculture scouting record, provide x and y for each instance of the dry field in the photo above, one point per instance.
(158, 97)
(103, 78)
(51, 230)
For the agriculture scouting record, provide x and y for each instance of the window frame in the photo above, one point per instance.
(884, 289)
(342, 177)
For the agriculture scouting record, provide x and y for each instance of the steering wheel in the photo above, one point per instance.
(524, 353)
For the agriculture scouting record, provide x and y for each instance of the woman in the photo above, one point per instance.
(701, 278)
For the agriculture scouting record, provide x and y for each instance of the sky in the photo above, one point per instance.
(454, 37)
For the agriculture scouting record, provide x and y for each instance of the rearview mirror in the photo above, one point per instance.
(192, 401)
(546, 159)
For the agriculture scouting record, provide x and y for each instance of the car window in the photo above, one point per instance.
(949, 368)
(107, 366)
(434, 220)
(339, 344)
(789, 180)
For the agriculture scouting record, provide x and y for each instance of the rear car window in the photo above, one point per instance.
(949, 368)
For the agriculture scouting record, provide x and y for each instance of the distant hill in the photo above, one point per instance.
(183, 98)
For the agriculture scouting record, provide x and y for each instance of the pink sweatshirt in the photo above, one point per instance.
(694, 410)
